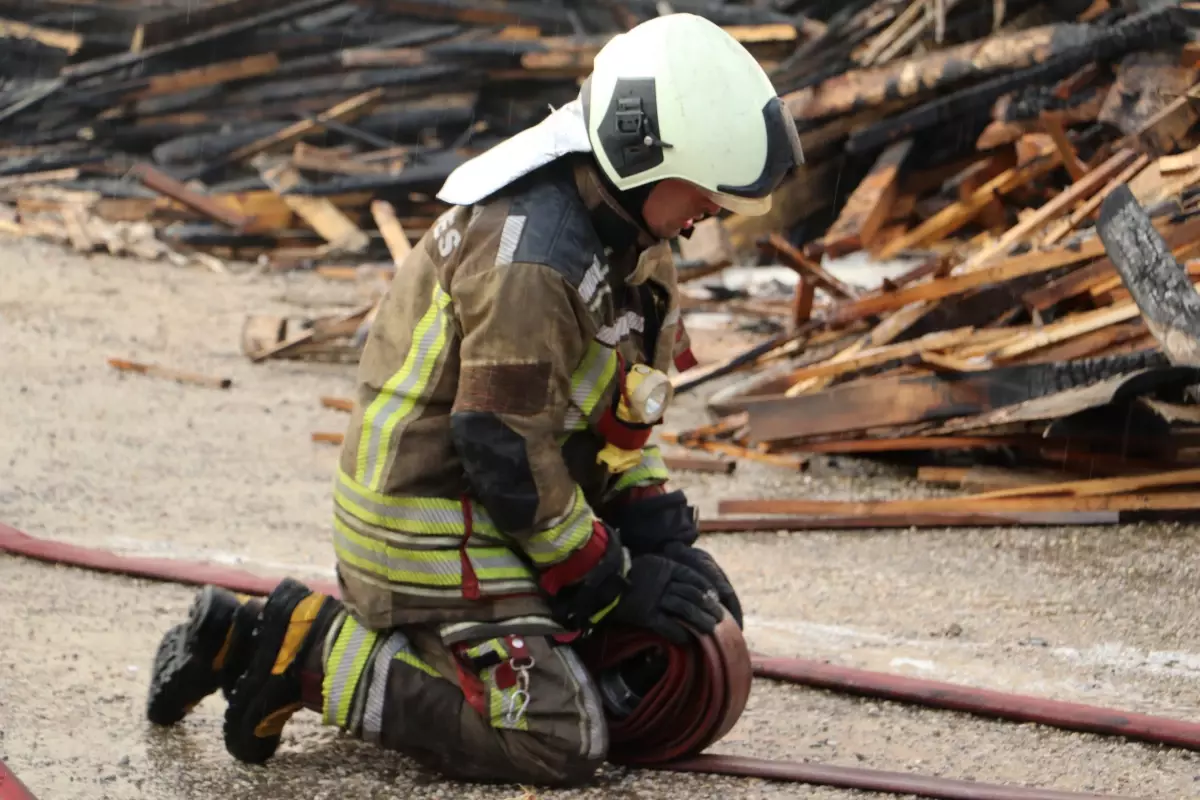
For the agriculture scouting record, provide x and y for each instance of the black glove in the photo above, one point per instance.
(666, 525)
(574, 605)
(706, 565)
(648, 524)
(661, 595)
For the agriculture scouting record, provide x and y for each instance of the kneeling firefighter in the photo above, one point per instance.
(496, 497)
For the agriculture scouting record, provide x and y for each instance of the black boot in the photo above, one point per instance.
(206, 653)
(283, 670)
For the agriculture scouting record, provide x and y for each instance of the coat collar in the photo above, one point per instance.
(617, 229)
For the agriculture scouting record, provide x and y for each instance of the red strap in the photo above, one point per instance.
(685, 360)
(579, 564)
(470, 581)
(619, 434)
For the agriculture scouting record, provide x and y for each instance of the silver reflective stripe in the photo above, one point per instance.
(373, 715)
(593, 728)
(619, 330)
(593, 279)
(347, 669)
(423, 567)
(510, 237)
(403, 396)
(489, 588)
(564, 535)
(455, 630)
(416, 515)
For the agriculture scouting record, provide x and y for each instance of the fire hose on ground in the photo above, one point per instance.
(703, 692)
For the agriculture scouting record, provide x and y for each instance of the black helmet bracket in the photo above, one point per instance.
(628, 131)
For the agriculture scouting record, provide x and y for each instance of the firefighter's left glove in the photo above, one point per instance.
(665, 524)
(700, 561)
(663, 595)
(580, 598)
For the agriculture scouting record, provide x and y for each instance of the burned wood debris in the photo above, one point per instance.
(988, 240)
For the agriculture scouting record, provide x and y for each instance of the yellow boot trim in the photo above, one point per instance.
(272, 724)
(223, 653)
(298, 627)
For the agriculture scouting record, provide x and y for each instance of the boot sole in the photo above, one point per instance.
(183, 674)
(249, 706)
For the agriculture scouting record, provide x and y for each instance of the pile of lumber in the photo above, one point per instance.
(992, 234)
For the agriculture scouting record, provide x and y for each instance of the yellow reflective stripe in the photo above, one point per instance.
(602, 613)
(439, 568)
(650, 470)
(343, 670)
(426, 516)
(501, 705)
(416, 663)
(557, 542)
(490, 646)
(588, 382)
(402, 395)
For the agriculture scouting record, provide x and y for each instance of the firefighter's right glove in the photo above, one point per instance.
(662, 595)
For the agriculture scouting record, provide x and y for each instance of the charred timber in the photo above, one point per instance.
(1139, 32)
(1159, 285)
(940, 71)
(101, 66)
(347, 82)
(862, 406)
(428, 176)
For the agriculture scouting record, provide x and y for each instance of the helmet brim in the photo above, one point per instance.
(747, 206)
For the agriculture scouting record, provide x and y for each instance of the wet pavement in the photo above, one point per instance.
(1106, 616)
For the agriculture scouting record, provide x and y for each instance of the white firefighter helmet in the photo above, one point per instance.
(678, 97)
(674, 97)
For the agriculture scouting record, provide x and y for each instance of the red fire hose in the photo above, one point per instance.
(719, 705)
(10, 787)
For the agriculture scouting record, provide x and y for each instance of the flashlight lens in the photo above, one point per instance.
(656, 402)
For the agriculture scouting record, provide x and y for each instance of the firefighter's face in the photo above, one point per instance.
(673, 206)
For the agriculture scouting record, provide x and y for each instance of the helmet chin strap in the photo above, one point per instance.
(631, 200)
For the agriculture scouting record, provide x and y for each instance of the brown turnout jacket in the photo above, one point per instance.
(469, 466)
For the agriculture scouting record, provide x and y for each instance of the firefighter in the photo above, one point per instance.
(496, 497)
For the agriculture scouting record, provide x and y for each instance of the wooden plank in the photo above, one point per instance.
(165, 184)
(319, 159)
(1080, 190)
(393, 233)
(106, 64)
(208, 75)
(1097, 487)
(1090, 206)
(342, 112)
(882, 355)
(959, 214)
(192, 19)
(1167, 501)
(322, 215)
(806, 267)
(1005, 270)
(1069, 328)
(66, 41)
(869, 205)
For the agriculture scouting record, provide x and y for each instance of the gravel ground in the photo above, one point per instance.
(150, 467)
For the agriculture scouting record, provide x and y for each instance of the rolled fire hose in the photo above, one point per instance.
(691, 702)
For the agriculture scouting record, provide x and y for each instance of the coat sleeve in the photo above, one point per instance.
(524, 330)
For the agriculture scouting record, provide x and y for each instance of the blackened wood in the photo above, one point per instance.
(101, 66)
(1159, 285)
(1139, 32)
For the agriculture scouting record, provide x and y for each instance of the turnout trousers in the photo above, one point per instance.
(510, 708)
